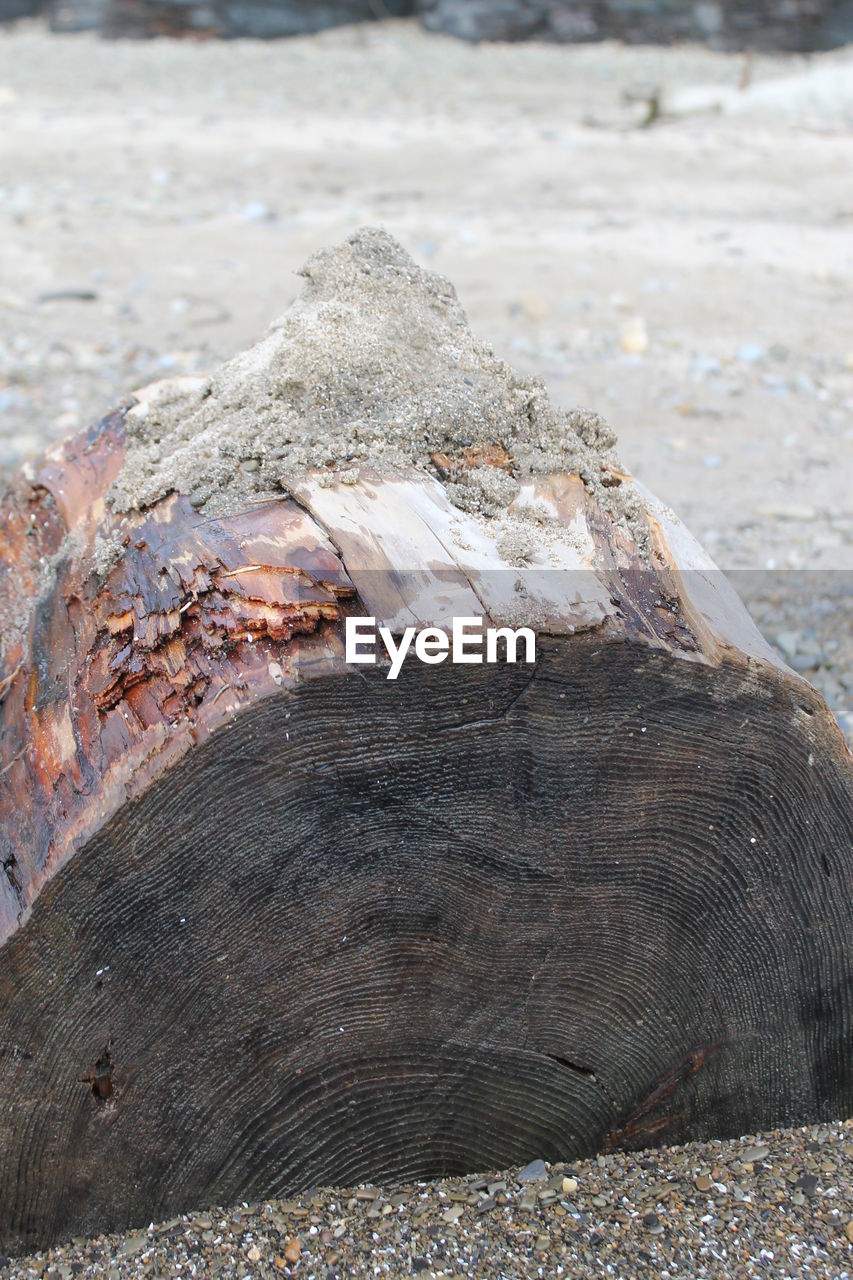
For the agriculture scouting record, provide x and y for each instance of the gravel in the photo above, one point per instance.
(808, 615)
(778, 1204)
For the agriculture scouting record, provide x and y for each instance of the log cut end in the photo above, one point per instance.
(268, 918)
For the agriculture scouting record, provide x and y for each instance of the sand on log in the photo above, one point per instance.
(269, 919)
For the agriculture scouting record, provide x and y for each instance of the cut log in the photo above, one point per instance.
(270, 919)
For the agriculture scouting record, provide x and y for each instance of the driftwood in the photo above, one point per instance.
(269, 919)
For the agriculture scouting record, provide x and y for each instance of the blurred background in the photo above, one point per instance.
(649, 203)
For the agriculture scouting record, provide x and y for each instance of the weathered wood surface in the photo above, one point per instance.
(267, 920)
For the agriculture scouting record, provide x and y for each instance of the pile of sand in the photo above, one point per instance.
(374, 364)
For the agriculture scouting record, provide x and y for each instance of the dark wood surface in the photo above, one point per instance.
(447, 925)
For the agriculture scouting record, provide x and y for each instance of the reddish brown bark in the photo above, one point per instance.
(110, 681)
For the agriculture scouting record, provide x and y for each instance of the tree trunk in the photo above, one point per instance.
(268, 919)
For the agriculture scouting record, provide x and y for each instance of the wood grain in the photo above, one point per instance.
(269, 921)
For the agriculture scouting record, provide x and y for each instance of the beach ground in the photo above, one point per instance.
(685, 270)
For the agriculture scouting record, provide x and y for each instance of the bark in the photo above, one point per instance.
(269, 920)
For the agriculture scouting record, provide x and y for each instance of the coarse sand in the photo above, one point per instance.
(375, 363)
(774, 1205)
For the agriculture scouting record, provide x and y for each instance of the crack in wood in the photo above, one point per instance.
(587, 1074)
(499, 719)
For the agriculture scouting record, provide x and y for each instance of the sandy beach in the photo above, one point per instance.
(666, 237)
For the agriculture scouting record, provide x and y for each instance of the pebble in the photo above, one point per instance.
(132, 1244)
(533, 307)
(634, 337)
(788, 641)
(705, 366)
(652, 1213)
(752, 1154)
(533, 1172)
(257, 211)
(750, 353)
